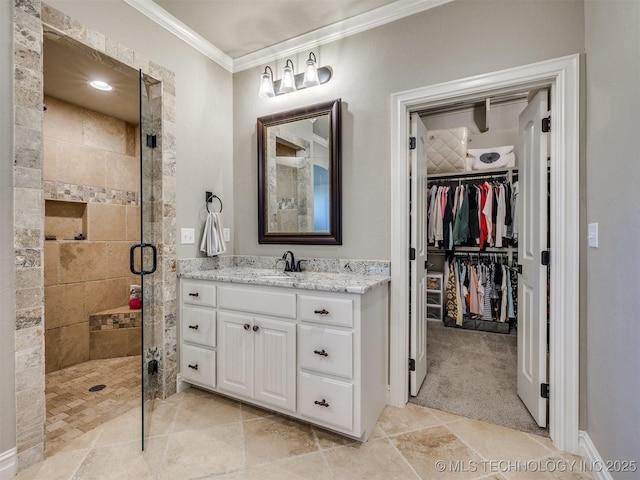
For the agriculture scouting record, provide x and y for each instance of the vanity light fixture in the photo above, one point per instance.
(288, 83)
(101, 85)
(266, 83)
(311, 73)
(291, 82)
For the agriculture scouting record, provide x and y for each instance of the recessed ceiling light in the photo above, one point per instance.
(100, 85)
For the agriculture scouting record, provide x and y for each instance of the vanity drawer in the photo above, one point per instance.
(257, 300)
(199, 293)
(326, 310)
(325, 400)
(326, 350)
(198, 365)
(199, 325)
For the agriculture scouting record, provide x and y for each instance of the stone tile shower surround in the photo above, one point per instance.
(90, 162)
(31, 19)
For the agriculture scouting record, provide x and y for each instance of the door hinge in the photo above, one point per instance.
(546, 124)
(412, 143)
(545, 257)
(152, 141)
(544, 390)
(412, 253)
(412, 365)
(518, 269)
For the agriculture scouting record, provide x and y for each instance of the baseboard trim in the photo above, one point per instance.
(8, 464)
(590, 453)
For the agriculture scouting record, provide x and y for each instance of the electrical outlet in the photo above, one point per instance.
(226, 234)
(187, 236)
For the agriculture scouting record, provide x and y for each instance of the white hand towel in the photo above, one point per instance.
(212, 240)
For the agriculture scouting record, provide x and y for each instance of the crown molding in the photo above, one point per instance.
(182, 31)
(345, 28)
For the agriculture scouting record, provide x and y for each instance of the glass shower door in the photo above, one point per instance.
(144, 255)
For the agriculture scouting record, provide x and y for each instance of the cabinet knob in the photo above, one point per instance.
(323, 403)
(256, 328)
(194, 294)
(324, 311)
(195, 367)
(193, 327)
(247, 326)
(322, 353)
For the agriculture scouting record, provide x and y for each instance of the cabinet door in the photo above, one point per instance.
(275, 362)
(235, 353)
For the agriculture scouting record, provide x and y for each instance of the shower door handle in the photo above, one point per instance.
(154, 256)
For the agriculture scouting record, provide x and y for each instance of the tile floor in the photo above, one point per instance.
(73, 410)
(198, 435)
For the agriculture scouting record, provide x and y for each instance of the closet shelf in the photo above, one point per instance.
(474, 173)
(462, 249)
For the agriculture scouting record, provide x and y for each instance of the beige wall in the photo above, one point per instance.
(612, 40)
(91, 153)
(441, 44)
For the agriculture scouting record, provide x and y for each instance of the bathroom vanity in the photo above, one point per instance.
(310, 345)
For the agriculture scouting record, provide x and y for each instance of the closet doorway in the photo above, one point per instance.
(485, 292)
(561, 75)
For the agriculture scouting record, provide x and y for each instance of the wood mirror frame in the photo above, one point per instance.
(330, 236)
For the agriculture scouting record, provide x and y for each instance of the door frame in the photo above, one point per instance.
(562, 74)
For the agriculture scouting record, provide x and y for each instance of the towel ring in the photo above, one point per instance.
(209, 198)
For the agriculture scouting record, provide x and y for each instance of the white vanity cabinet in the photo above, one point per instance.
(258, 358)
(314, 355)
(198, 333)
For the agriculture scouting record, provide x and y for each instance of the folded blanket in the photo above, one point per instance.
(496, 157)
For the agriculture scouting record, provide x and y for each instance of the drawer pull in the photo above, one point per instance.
(195, 367)
(194, 294)
(194, 327)
(323, 403)
(256, 328)
(322, 353)
(247, 326)
(324, 311)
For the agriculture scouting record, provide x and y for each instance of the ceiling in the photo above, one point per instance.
(237, 34)
(240, 27)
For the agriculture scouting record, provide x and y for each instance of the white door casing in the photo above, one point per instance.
(532, 283)
(562, 75)
(418, 329)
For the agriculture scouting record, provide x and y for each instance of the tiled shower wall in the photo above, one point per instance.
(91, 180)
(30, 18)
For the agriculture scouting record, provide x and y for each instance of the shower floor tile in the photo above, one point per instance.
(73, 410)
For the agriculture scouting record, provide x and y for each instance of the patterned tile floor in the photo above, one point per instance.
(73, 410)
(198, 435)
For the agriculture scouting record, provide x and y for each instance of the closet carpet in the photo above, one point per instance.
(473, 374)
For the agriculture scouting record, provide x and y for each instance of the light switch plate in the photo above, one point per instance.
(187, 236)
(226, 234)
(593, 235)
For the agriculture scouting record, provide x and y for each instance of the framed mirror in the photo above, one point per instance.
(299, 184)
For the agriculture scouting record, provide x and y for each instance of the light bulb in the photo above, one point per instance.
(288, 83)
(311, 74)
(266, 85)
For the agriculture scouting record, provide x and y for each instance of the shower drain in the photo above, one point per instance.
(97, 388)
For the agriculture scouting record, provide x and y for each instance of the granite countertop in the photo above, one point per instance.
(345, 282)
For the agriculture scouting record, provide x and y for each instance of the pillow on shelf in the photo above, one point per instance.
(496, 157)
(446, 150)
